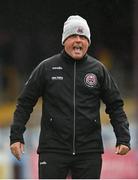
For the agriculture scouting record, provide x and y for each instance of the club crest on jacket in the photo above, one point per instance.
(90, 80)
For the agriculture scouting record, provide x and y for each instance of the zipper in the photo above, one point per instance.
(74, 104)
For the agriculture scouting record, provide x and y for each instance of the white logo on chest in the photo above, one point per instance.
(57, 67)
(57, 78)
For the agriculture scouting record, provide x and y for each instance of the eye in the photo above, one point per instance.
(83, 37)
(74, 35)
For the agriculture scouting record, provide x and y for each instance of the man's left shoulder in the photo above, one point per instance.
(92, 59)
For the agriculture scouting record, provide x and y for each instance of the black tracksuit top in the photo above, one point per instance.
(71, 92)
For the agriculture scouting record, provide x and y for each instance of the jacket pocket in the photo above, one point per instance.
(60, 127)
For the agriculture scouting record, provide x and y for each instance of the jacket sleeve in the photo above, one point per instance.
(32, 90)
(114, 107)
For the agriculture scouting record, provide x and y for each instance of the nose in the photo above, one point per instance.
(78, 38)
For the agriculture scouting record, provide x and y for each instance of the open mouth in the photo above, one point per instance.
(77, 48)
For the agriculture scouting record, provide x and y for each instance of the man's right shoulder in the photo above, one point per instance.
(51, 59)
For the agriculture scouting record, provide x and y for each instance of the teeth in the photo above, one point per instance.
(78, 48)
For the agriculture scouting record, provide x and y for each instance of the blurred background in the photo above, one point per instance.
(30, 31)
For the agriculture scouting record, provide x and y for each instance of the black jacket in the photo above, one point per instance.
(71, 92)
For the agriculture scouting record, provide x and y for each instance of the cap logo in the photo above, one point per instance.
(90, 80)
(80, 30)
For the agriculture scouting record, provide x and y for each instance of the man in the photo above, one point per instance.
(71, 85)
